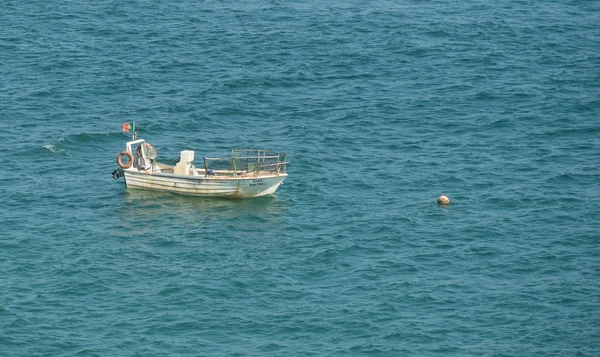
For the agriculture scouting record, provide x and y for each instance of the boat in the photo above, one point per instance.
(245, 173)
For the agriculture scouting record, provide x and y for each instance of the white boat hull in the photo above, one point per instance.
(204, 185)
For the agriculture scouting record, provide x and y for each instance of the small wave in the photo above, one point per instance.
(485, 96)
(246, 83)
(501, 123)
(50, 147)
(578, 132)
(70, 143)
(55, 150)
(562, 177)
(91, 137)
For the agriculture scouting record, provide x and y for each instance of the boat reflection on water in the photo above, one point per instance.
(227, 207)
(150, 213)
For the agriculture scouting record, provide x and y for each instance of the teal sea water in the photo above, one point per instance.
(382, 106)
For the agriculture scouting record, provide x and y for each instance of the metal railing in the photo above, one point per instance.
(245, 162)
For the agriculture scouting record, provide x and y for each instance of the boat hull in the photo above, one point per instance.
(209, 186)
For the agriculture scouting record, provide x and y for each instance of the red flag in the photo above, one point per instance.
(127, 127)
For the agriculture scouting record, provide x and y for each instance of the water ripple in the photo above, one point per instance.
(381, 109)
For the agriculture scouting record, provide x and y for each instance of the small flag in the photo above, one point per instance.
(127, 127)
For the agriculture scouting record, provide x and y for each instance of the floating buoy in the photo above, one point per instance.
(443, 200)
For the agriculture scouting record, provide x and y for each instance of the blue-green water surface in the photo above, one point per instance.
(382, 106)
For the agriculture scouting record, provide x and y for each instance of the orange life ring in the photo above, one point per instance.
(120, 161)
(139, 149)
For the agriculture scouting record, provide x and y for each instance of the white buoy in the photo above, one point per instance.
(443, 200)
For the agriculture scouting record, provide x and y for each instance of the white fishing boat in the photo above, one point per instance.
(246, 173)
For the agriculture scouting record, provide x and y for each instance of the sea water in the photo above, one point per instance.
(382, 106)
